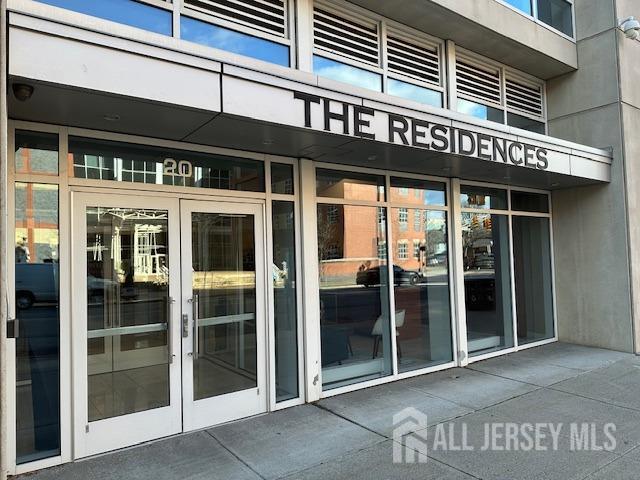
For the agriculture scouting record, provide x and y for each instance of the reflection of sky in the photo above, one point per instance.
(434, 198)
(414, 92)
(231, 41)
(127, 12)
(346, 73)
(470, 108)
(523, 5)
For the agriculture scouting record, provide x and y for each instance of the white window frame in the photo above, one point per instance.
(534, 17)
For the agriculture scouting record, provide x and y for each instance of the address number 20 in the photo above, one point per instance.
(173, 168)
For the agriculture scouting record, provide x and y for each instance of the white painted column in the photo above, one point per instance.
(304, 34)
(451, 83)
(458, 274)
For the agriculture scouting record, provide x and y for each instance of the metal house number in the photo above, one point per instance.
(182, 168)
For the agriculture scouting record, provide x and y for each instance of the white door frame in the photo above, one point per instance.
(118, 432)
(223, 408)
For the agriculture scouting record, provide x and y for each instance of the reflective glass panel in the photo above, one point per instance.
(36, 152)
(354, 295)
(480, 111)
(129, 12)
(532, 271)
(421, 288)
(282, 178)
(224, 289)
(558, 14)
(37, 286)
(218, 37)
(342, 72)
(127, 310)
(414, 92)
(529, 202)
(523, 5)
(525, 123)
(349, 185)
(483, 197)
(131, 163)
(418, 192)
(487, 284)
(284, 295)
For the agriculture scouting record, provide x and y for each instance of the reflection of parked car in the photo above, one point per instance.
(36, 282)
(371, 276)
(480, 290)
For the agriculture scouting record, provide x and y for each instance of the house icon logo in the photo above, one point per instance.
(410, 443)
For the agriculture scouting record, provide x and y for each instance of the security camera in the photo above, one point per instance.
(631, 27)
(22, 91)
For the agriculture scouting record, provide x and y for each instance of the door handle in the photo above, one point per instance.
(195, 300)
(170, 302)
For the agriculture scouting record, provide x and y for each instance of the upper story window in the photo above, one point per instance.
(154, 16)
(555, 13)
(492, 92)
(376, 54)
(254, 28)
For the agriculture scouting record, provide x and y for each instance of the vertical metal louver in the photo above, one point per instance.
(524, 98)
(266, 15)
(479, 83)
(405, 58)
(344, 36)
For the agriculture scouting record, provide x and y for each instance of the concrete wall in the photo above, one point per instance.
(591, 225)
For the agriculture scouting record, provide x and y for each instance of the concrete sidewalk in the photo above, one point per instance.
(350, 436)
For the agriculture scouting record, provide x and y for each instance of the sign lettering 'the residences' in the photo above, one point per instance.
(361, 121)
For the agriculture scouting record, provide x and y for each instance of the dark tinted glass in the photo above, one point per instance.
(282, 178)
(349, 185)
(126, 162)
(37, 287)
(530, 202)
(418, 192)
(218, 37)
(129, 12)
(556, 13)
(525, 123)
(36, 152)
(483, 198)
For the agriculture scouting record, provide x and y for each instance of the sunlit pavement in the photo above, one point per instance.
(351, 436)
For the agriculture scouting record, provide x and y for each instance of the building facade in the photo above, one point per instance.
(214, 209)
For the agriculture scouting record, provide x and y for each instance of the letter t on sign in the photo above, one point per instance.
(308, 100)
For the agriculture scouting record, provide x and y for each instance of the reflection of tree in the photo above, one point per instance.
(326, 239)
(435, 238)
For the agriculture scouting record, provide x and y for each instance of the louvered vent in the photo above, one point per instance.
(266, 15)
(345, 37)
(524, 98)
(478, 83)
(419, 62)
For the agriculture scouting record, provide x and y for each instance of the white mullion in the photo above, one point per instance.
(458, 267)
(390, 280)
(384, 54)
(270, 294)
(512, 284)
(177, 8)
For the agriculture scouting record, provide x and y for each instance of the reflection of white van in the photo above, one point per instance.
(36, 282)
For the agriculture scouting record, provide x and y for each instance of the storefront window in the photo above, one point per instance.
(349, 185)
(483, 198)
(354, 295)
(282, 179)
(529, 202)
(37, 287)
(219, 37)
(418, 192)
(344, 73)
(128, 12)
(36, 152)
(284, 292)
(132, 163)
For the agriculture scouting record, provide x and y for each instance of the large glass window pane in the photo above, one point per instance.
(127, 311)
(127, 162)
(284, 294)
(349, 185)
(483, 198)
(218, 37)
(37, 286)
(282, 178)
(530, 202)
(418, 192)
(354, 295)
(129, 12)
(342, 72)
(481, 111)
(523, 5)
(36, 152)
(532, 270)
(558, 14)
(525, 123)
(487, 284)
(421, 287)
(414, 92)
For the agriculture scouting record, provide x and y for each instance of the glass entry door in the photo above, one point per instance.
(223, 323)
(126, 328)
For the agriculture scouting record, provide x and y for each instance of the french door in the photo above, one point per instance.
(168, 317)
